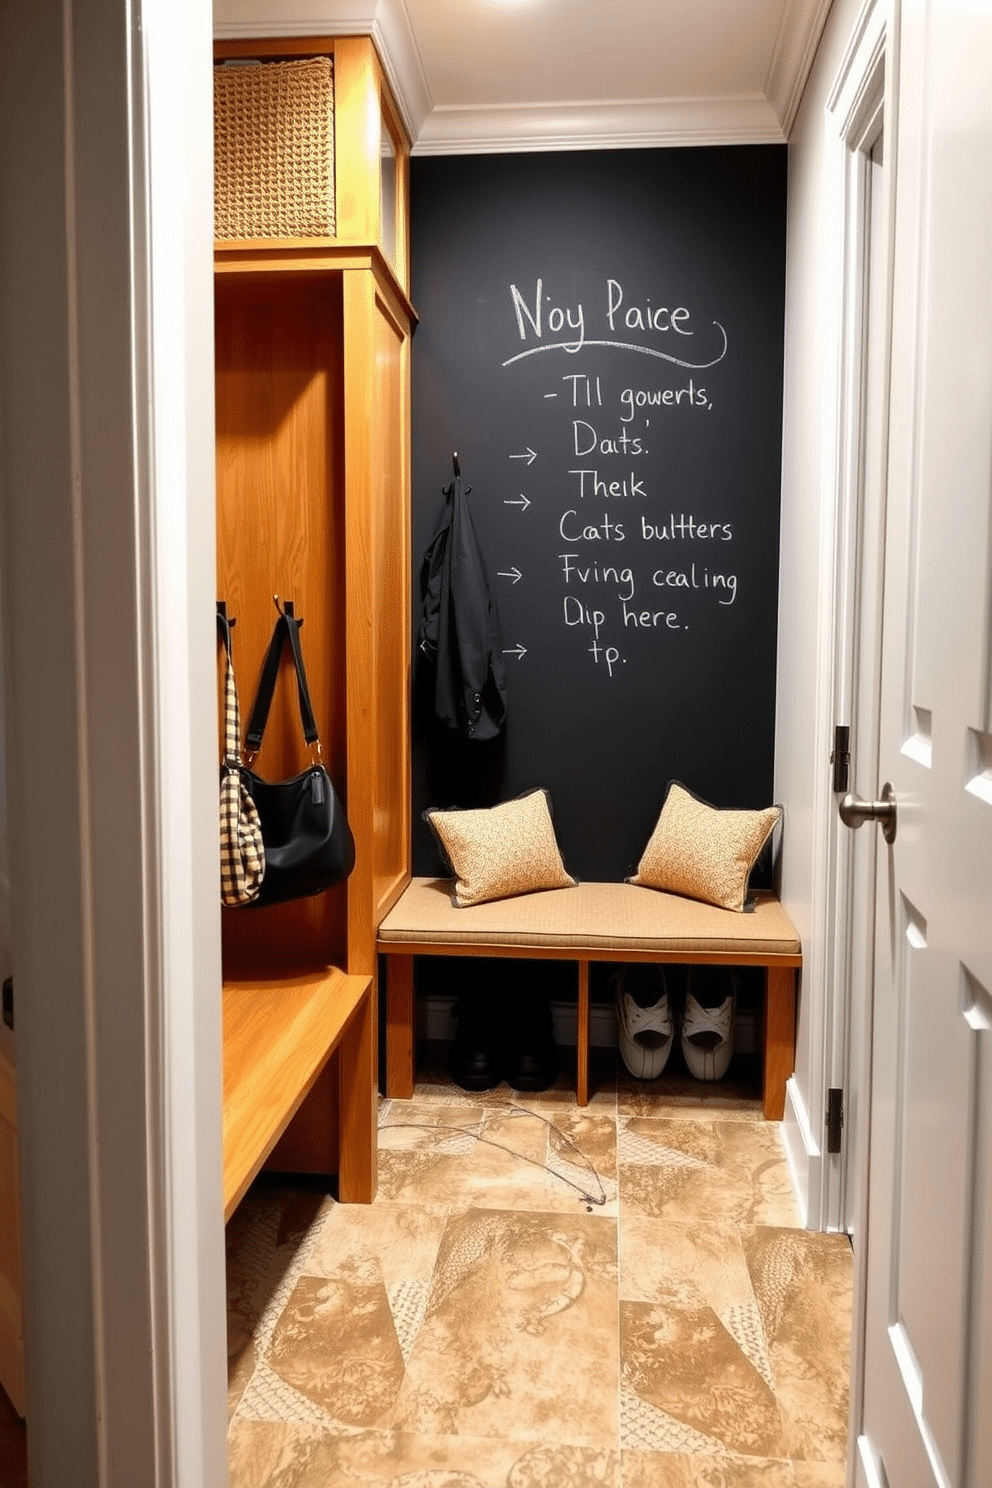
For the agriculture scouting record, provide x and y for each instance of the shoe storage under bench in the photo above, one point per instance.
(591, 922)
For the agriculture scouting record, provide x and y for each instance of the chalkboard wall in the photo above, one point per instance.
(600, 340)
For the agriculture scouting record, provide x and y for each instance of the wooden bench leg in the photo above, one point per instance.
(399, 1026)
(780, 1038)
(582, 1038)
(358, 1097)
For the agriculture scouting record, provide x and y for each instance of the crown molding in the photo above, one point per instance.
(751, 119)
(795, 51)
(593, 126)
(385, 21)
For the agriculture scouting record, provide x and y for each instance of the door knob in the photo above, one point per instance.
(854, 813)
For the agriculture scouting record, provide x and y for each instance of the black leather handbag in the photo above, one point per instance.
(308, 843)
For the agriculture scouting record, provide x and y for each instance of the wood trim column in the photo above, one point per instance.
(358, 1097)
(356, 140)
(400, 1012)
(582, 1038)
(359, 379)
(779, 1038)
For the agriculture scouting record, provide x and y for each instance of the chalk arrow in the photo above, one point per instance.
(514, 574)
(518, 651)
(523, 503)
(530, 456)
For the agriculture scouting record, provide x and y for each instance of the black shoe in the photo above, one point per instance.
(532, 1061)
(475, 1062)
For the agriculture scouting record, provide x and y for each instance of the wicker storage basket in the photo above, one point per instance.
(274, 149)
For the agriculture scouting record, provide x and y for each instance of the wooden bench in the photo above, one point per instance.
(280, 1030)
(591, 922)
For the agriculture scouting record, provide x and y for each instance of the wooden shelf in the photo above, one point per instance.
(312, 339)
(280, 1030)
(299, 256)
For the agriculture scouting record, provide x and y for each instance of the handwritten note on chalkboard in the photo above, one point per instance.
(601, 342)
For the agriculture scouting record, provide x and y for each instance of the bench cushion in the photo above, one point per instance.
(593, 917)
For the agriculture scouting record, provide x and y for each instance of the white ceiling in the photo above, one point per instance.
(474, 75)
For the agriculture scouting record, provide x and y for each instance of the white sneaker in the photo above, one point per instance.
(644, 1020)
(708, 1031)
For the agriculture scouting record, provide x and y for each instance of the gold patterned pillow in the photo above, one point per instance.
(702, 852)
(501, 851)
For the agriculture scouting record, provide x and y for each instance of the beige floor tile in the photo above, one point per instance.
(677, 1356)
(264, 1241)
(704, 1172)
(820, 1474)
(592, 1132)
(519, 1338)
(702, 1265)
(760, 1150)
(403, 1239)
(803, 1287)
(423, 1115)
(707, 1260)
(342, 1337)
(241, 1362)
(335, 1344)
(581, 1148)
(462, 1331)
(682, 1470)
(697, 1193)
(265, 1455)
(654, 1139)
(521, 1161)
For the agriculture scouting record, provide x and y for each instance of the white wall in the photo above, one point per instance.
(106, 480)
(804, 734)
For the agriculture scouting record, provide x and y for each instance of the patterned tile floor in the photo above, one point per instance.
(544, 1297)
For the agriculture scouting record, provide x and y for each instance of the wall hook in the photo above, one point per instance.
(285, 608)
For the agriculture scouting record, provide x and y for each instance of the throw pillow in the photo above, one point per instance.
(500, 851)
(703, 852)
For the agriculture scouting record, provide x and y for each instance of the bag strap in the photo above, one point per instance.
(232, 715)
(287, 628)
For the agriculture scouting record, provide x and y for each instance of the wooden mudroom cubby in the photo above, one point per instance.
(313, 478)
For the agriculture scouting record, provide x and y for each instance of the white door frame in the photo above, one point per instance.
(858, 107)
(863, 101)
(106, 466)
(857, 111)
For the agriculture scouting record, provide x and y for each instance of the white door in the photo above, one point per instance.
(926, 1369)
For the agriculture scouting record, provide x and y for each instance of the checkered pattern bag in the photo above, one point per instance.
(242, 855)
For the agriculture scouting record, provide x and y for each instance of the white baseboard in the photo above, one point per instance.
(436, 1021)
(802, 1154)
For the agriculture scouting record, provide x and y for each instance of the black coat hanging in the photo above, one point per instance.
(460, 629)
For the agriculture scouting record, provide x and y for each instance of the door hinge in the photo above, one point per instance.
(841, 759)
(834, 1119)
(8, 1002)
